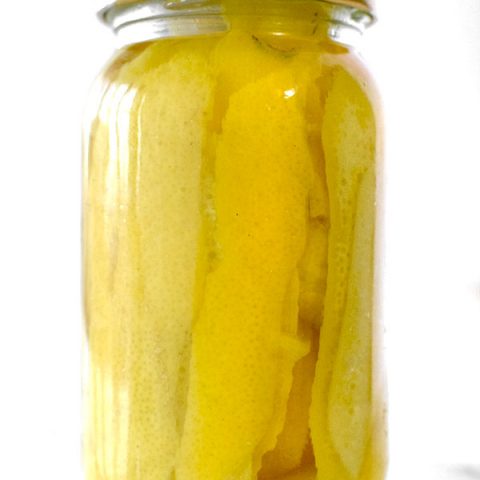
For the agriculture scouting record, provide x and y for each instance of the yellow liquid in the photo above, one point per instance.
(229, 227)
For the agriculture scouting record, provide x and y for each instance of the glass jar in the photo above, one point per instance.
(230, 183)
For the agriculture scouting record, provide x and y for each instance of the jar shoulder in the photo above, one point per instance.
(236, 54)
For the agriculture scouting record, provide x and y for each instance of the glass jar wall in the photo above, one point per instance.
(230, 186)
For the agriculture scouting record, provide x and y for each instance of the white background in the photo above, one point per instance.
(426, 57)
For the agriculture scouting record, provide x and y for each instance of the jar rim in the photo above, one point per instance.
(367, 6)
(137, 21)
